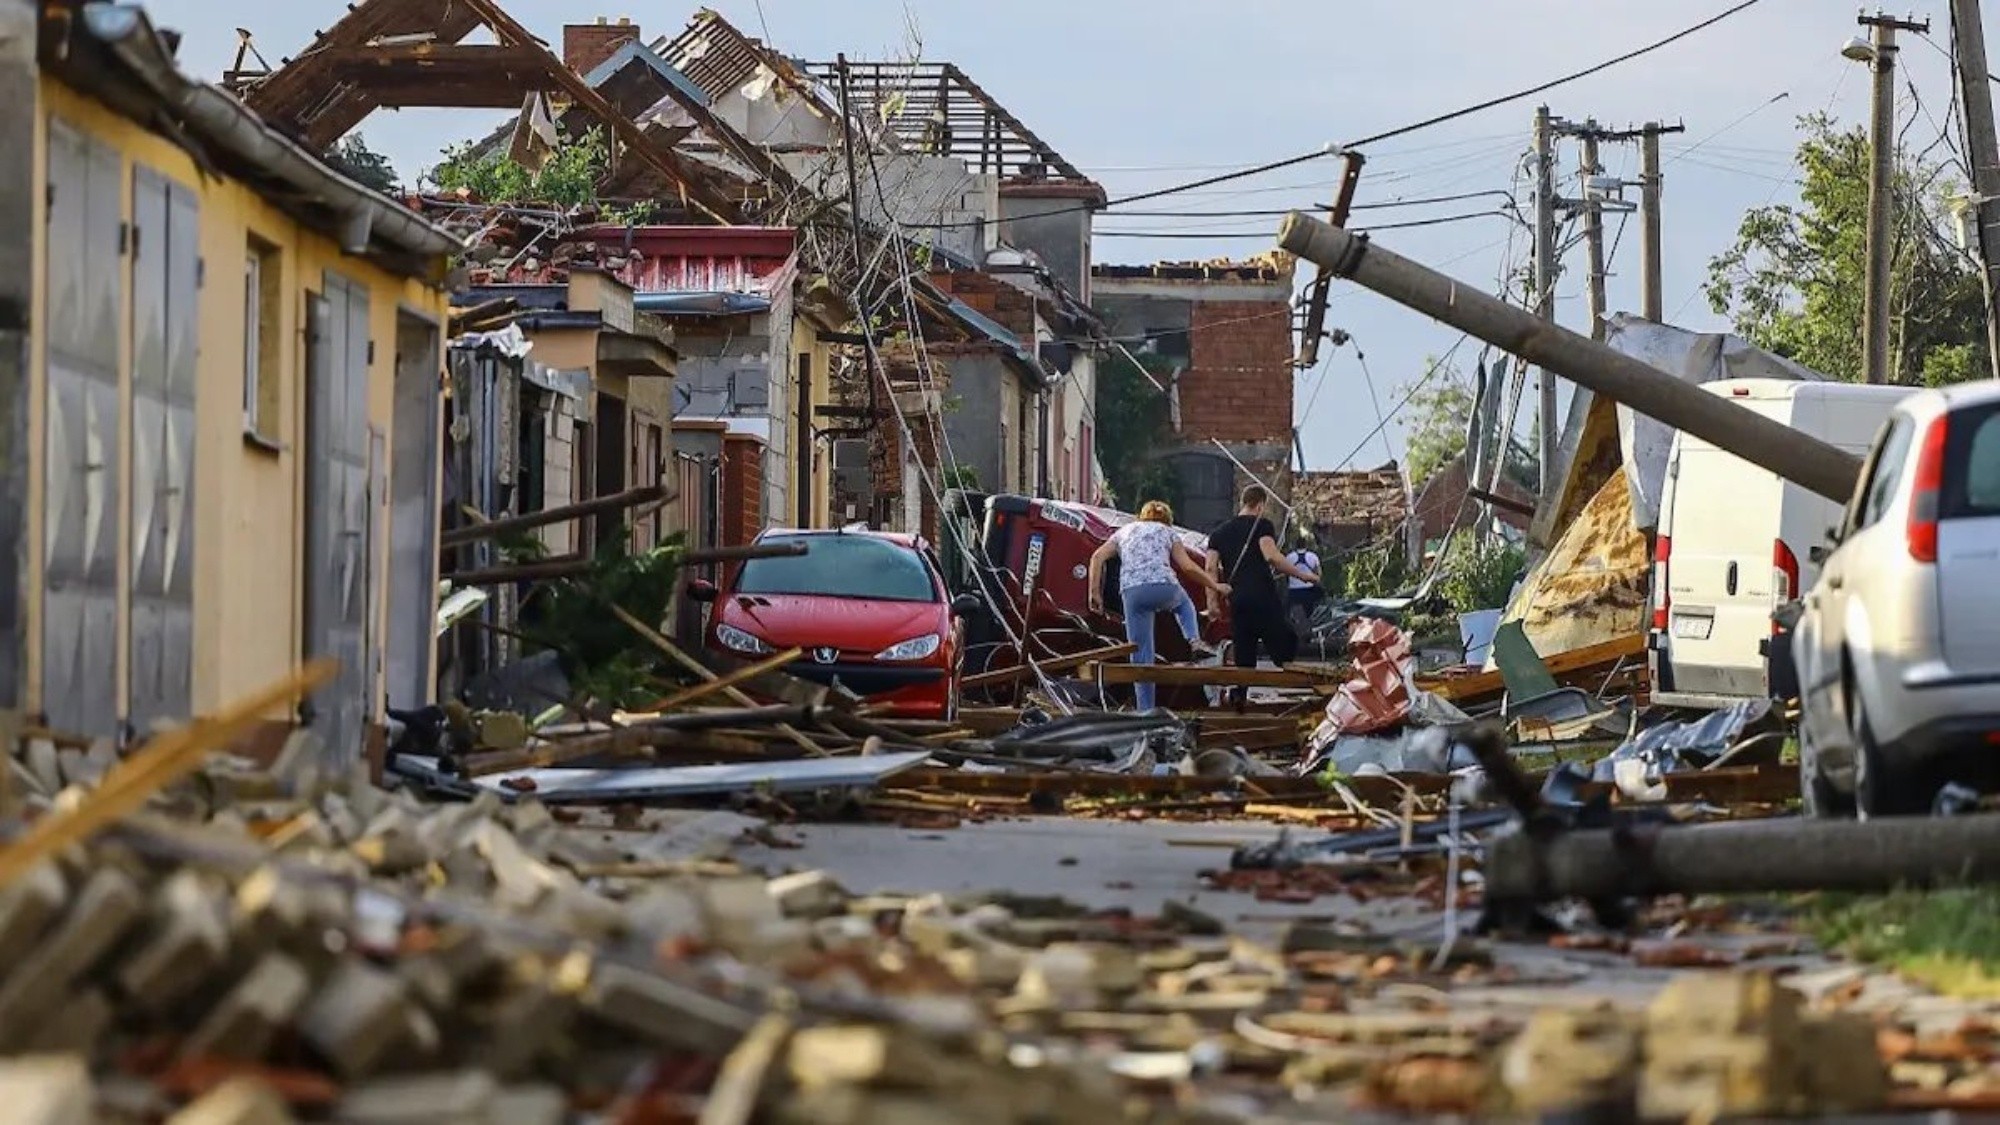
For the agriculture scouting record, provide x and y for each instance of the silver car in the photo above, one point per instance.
(1898, 644)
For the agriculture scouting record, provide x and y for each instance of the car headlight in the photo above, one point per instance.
(916, 648)
(734, 638)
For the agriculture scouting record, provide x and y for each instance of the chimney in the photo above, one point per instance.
(585, 45)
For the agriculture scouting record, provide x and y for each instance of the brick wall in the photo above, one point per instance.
(742, 489)
(1238, 386)
(587, 44)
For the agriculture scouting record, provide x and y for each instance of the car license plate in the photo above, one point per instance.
(1693, 628)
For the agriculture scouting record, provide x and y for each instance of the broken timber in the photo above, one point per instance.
(602, 505)
(1803, 460)
(1179, 675)
(1598, 658)
(1050, 667)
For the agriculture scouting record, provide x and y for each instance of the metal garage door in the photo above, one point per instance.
(81, 458)
(166, 275)
(337, 511)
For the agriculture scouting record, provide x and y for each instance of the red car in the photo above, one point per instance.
(869, 608)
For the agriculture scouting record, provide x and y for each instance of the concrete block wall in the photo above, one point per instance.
(1238, 386)
(559, 472)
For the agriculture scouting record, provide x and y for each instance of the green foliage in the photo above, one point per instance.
(603, 658)
(569, 179)
(1947, 938)
(1378, 570)
(1794, 280)
(961, 477)
(353, 158)
(1132, 430)
(1478, 572)
(1440, 414)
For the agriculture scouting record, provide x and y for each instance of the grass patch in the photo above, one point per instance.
(1948, 940)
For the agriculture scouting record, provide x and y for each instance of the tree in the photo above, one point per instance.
(1794, 280)
(352, 156)
(1132, 424)
(569, 179)
(1440, 413)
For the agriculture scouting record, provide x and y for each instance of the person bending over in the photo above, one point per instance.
(1149, 550)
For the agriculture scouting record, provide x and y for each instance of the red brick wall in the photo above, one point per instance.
(587, 44)
(1238, 386)
(742, 489)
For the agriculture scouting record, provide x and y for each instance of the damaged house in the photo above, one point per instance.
(230, 398)
(1222, 333)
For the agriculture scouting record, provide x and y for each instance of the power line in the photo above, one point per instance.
(1496, 213)
(1401, 130)
(1279, 211)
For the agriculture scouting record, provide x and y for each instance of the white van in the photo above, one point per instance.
(1735, 542)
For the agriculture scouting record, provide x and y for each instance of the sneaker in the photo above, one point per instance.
(1203, 650)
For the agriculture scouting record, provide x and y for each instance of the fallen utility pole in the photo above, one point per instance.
(1735, 857)
(1797, 458)
(1968, 35)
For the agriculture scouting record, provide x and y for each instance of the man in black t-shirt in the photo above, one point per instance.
(1245, 550)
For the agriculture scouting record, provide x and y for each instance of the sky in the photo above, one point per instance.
(1144, 94)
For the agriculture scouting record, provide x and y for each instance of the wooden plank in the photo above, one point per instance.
(159, 763)
(1597, 657)
(1182, 675)
(709, 687)
(673, 652)
(1049, 667)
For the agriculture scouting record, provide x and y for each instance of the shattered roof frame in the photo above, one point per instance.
(980, 130)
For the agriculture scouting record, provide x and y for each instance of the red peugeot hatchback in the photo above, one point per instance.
(870, 609)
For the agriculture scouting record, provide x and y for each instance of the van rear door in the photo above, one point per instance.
(1725, 519)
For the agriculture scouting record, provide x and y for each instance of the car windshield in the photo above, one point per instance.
(840, 566)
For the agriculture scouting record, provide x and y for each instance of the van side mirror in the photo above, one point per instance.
(702, 591)
(967, 605)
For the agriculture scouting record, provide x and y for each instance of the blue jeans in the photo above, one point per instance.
(1142, 605)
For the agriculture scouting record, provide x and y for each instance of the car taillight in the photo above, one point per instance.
(1663, 549)
(1784, 576)
(1922, 533)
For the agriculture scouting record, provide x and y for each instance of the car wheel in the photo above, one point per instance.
(1822, 800)
(1882, 787)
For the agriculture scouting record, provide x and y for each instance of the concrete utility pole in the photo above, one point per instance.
(1593, 230)
(1761, 441)
(1880, 54)
(1545, 289)
(1983, 153)
(1651, 305)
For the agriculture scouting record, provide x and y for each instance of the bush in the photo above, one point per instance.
(1479, 573)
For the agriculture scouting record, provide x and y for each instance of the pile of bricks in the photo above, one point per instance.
(263, 944)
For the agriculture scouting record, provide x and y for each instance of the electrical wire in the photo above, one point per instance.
(1761, 107)
(1403, 130)
(1436, 366)
(1439, 221)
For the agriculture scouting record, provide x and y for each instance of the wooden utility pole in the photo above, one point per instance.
(1881, 59)
(1982, 151)
(1545, 290)
(1804, 460)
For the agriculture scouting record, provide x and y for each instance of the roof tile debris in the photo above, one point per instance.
(1275, 266)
